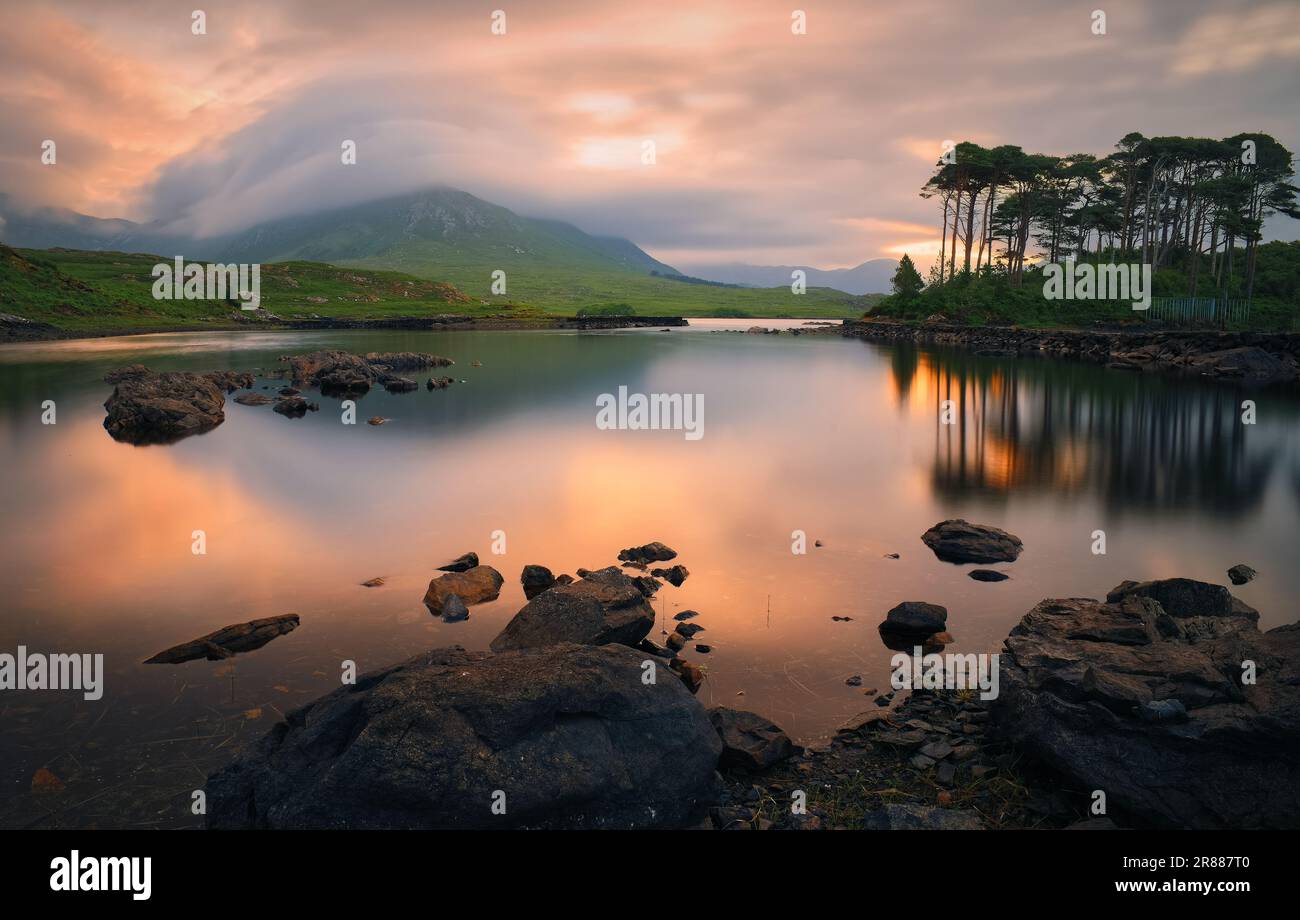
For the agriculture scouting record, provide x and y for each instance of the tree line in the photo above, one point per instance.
(1185, 203)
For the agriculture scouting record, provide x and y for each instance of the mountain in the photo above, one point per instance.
(871, 277)
(444, 234)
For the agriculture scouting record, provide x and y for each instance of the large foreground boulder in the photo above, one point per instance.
(1157, 707)
(160, 408)
(960, 541)
(569, 736)
(603, 607)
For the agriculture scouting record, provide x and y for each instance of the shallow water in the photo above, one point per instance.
(838, 438)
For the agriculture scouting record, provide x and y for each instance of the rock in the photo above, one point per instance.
(686, 615)
(1248, 363)
(702, 648)
(439, 383)
(676, 641)
(960, 541)
(454, 609)
(674, 575)
(476, 364)
(946, 774)
(460, 563)
(288, 391)
(118, 374)
(1240, 574)
(604, 607)
(373, 583)
(647, 585)
(229, 640)
(570, 734)
(692, 675)
(161, 408)
(987, 575)
(253, 399)
(915, 619)
(294, 406)
(474, 586)
(405, 361)
(749, 740)
(891, 555)
(564, 579)
(839, 619)
(689, 629)
(229, 381)
(937, 750)
(922, 761)
(1147, 703)
(395, 384)
(921, 817)
(1183, 597)
(651, 552)
(376, 420)
(536, 579)
(940, 638)
(854, 681)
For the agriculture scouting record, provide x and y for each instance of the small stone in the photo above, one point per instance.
(921, 762)
(979, 771)
(454, 609)
(376, 420)
(686, 615)
(946, 774)
(937, 750)
(987, 575)
(703, 649)
(854, 681)
(1240, 574)
(373, 583)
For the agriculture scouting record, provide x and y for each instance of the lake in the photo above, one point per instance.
(834, 437)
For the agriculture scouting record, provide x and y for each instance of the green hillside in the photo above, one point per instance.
(96, 291)
(435, 235)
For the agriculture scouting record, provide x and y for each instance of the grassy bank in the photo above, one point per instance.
(88, 292)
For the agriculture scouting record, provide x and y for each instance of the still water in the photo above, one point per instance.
(837, 438)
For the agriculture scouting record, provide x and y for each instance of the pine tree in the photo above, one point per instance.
(907, 280)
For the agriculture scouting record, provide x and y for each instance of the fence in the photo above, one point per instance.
(1194, 311)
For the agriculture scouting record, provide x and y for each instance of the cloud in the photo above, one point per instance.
(770, 146)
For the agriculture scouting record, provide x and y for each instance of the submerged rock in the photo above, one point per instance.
(454, 609)
(674, 575)
(602, 608)
(1240, 574)
(460, 563)
(439, 383)
(749, 740)
(294, 406)
(229, 640)
(651, 552)
(536, 579)
(253, 399)
(473, 586)
(915, 619)
(1147, 702)
(161, 408)
(570, 735)
(960, 541)
(987, 575)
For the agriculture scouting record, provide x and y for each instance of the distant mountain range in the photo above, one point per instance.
(445, 234)
(436, 225)
(871, 277)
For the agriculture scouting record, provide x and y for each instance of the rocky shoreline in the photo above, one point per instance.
(1163, 702)
(1253, 358)
(19, 329)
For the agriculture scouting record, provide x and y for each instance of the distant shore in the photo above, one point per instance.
(1257, 358)
(18, 329)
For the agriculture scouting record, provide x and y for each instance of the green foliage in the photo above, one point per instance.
(907, 281)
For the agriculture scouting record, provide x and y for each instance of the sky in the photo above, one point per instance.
(770, 147)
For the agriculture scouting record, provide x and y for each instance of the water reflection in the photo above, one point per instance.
(1138, 444)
